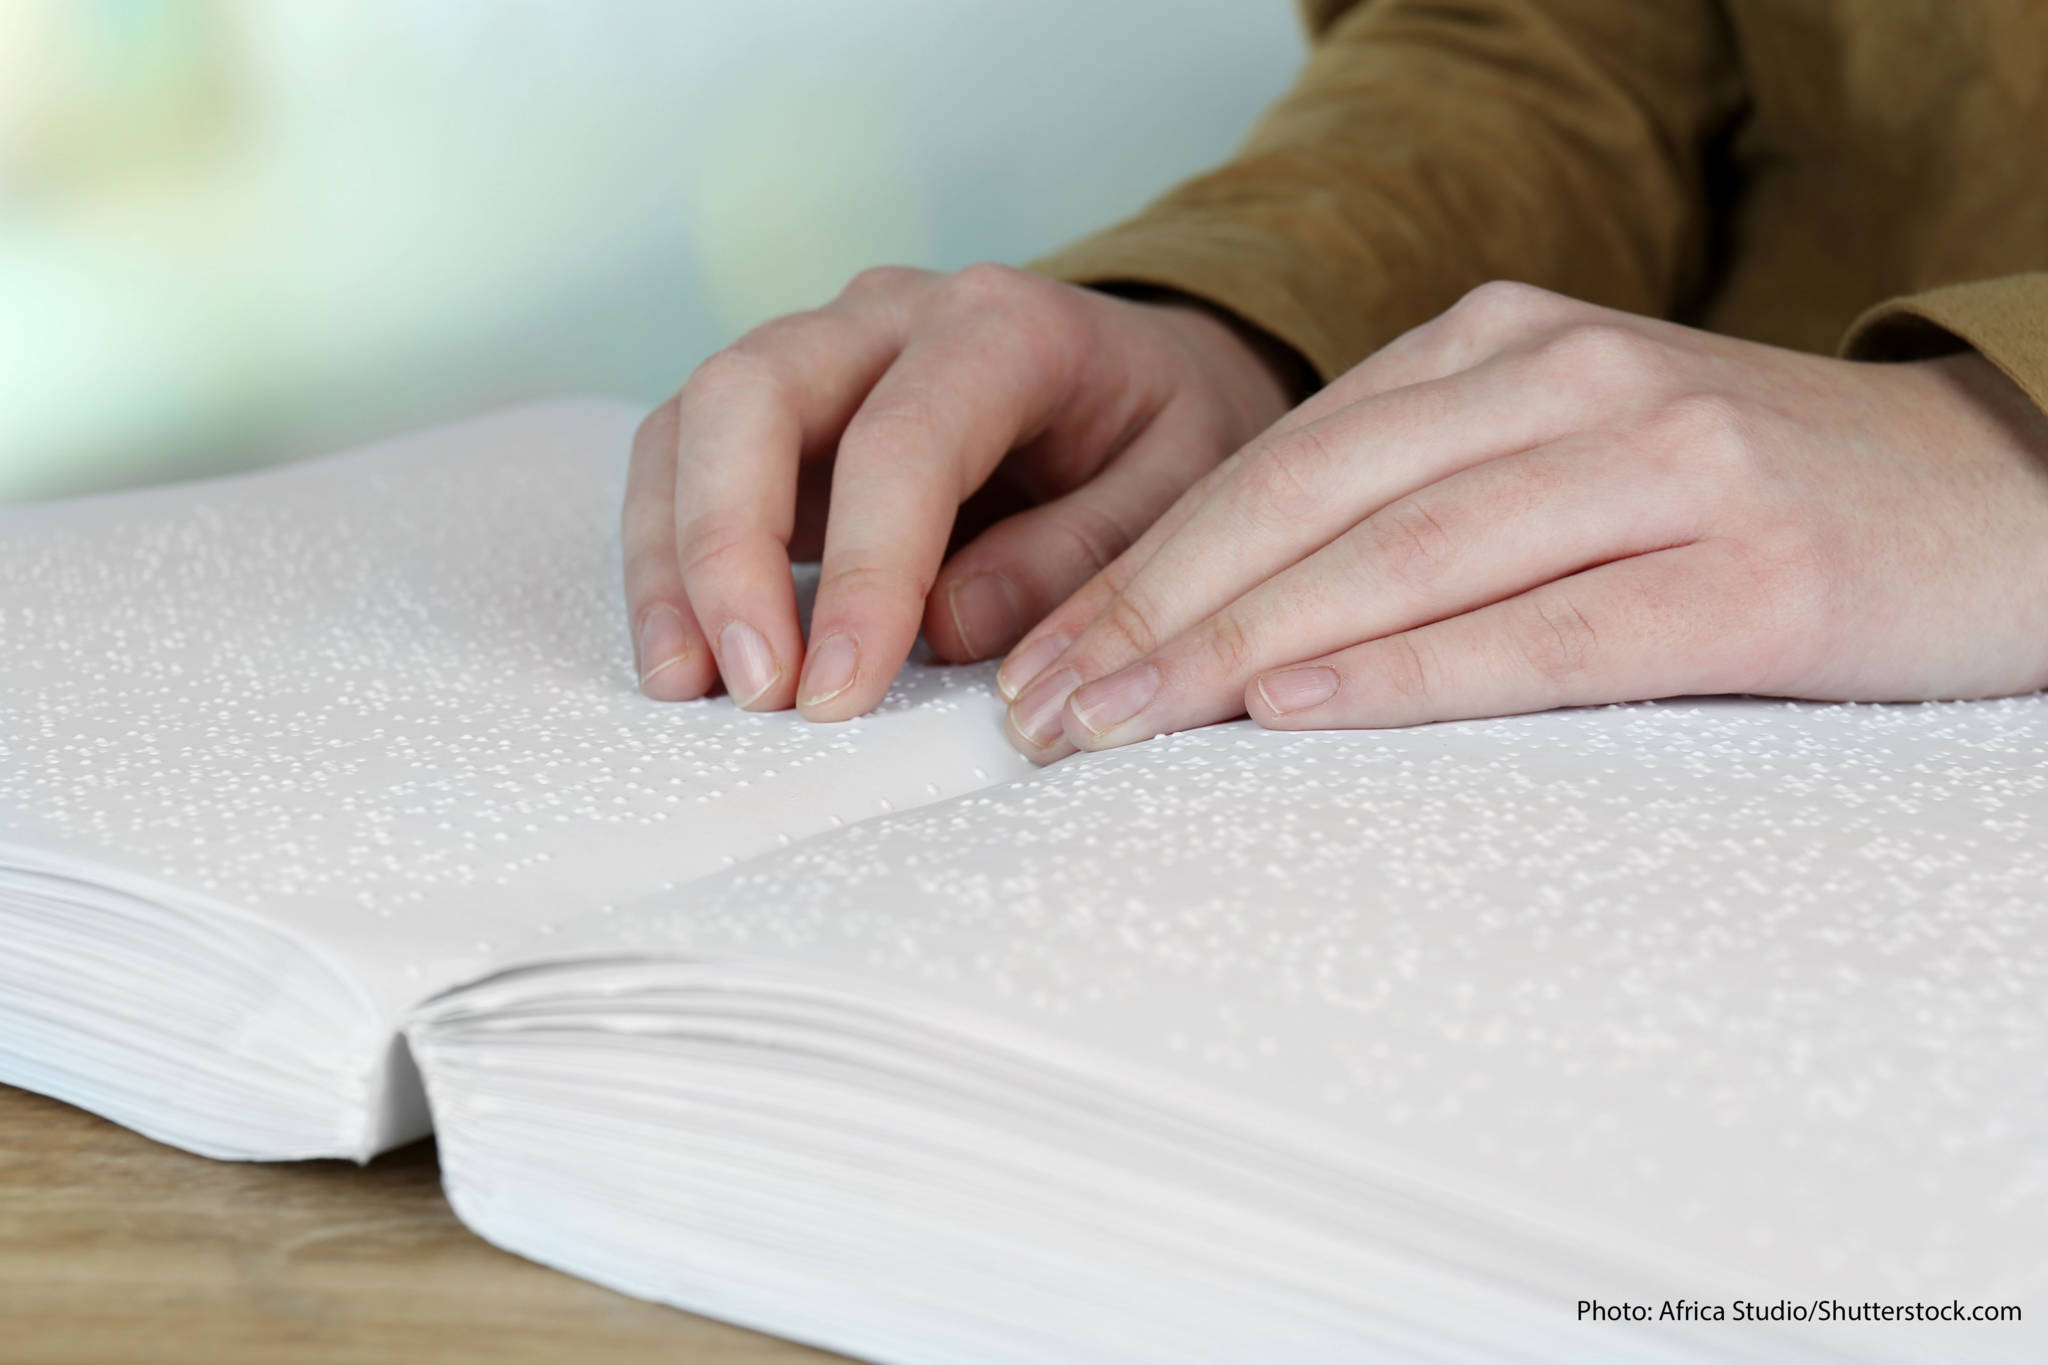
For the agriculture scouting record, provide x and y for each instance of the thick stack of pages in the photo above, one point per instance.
(283, 754)
(1249, 1046)
(1232, 1046)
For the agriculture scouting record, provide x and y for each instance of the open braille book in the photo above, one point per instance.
(329, 814)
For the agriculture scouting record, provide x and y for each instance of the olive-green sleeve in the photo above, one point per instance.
(1428, 147)
(2005, 320)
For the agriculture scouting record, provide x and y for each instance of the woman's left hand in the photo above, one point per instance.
(1531, 502)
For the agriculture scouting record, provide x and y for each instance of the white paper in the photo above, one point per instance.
(1435, 1031)
(282, 754)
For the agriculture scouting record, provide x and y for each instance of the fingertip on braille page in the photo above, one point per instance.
(1297, 689)
(1035, 715)
(830, 669)
(1108, 702)
(663, 646)
(1022, 668)
(748, 665)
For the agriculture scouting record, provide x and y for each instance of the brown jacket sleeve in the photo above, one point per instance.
(1427, 148)
(2006, 320)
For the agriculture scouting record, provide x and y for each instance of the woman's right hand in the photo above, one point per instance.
(909, 395)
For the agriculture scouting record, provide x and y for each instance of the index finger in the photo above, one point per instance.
(988, 374)
(746, 420)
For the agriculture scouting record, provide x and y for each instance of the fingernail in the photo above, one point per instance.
(744, 658)
(829, 670)
(1297, 689)
(1103, 705)
(986, 613)
(1019, 669)
(1036, 714)
(664, 642)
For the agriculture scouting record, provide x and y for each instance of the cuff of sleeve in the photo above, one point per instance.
(2005, 320)
(1263, 282)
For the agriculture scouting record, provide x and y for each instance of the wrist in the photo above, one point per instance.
(1273, 375)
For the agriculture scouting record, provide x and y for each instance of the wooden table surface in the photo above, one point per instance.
(114, 1248)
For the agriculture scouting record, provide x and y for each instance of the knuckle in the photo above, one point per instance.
(1278, 482)
(1121, 572)
(1407, 542)
(1503, 308)
(1227, 642)
(1555, 639)
(885, 435)
(1038, 327)
(777, 345)
(988, 286)
(900, 582)
(1705, 430)
(1098, 538)
(658, 428)
(1704, 441)
(1129, 621)
(881, 279)
(1606, 354)
(706, 547)
(738, 368)
(1405, 669)
(705, 551)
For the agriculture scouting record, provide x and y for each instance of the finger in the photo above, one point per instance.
(1479, 536)
(1058, 629)
(973, 384)
(1062, 623)
(745, 420)
(1487, 323)
(1657, 625)
(1033, 724)
(1035, 690)
(669, 652)
(1022, 567)
(1289, 496)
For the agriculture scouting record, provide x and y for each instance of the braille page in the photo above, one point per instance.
(1696, 1000)
(284, 753)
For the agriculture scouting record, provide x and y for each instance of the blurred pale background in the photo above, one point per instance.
(235, 231)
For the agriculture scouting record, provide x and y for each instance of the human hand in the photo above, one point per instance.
(1531, 502)
(904, 396)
